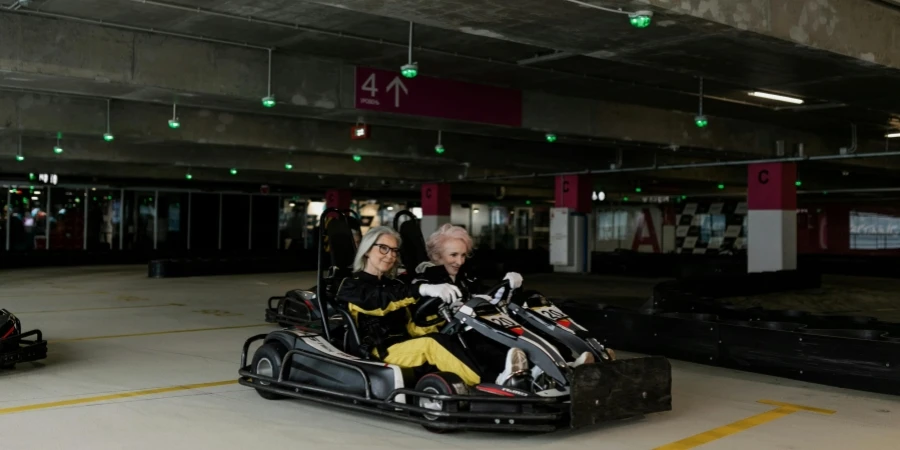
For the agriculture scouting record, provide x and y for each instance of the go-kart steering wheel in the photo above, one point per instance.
(428, 312)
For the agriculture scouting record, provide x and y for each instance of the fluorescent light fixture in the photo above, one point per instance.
(892, 135)
(781, 98)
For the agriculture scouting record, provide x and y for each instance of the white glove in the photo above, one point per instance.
(486, 298)
(447, 292)
(515, 280)
(424, 265)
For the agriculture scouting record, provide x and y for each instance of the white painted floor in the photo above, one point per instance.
(235, 417)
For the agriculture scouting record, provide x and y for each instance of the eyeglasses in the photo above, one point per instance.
(384, 249)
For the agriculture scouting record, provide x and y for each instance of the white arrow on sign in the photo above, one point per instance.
(396, 85)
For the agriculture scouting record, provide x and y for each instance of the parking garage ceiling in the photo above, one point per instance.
(611, 92)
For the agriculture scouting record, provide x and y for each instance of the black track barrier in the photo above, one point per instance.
(672, 265)
(684, 321)
(231, 264)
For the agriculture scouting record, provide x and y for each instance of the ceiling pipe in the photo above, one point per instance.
(685, 166)
(343, 35)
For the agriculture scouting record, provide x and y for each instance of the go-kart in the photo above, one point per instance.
(338, 248)
(14, 346)
(333, 366)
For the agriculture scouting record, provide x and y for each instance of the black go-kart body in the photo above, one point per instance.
(336, 238)
(17, 346)
(330, 365)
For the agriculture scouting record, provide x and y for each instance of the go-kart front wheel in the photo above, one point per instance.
(267, 363)
(440, 383)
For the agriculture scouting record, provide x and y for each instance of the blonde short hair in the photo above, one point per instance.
(445, 233)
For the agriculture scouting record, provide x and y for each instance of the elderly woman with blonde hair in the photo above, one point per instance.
(448, 248)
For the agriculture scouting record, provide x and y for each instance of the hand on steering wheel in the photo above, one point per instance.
(447, 292)
(515, 280)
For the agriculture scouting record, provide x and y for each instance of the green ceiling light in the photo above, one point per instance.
(357, 158)
(268, 101)
(721, 186)
(701, 121)
(57, 149)
(625, 199)
(640, 19)
(409, 70)
(233, 171)
(20, 158)
(527, 202)
(108, 136)
(188, 176)
(550, 137)
(798, 183)
(439, 149)
(638, 189)
(288, 166)
(173, 122)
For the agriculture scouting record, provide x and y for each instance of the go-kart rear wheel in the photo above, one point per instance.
(441, 383)
(267, 363)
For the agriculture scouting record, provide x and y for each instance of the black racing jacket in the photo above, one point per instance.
(381, 309)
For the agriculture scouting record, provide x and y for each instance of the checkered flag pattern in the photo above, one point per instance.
(699, 231)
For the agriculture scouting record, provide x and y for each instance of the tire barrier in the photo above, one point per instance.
(855, 352)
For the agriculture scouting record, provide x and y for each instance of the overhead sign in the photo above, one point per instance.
(388, 91)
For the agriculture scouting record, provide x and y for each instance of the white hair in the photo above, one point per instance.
(368, 241)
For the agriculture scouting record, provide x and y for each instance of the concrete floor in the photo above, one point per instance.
(114, 334)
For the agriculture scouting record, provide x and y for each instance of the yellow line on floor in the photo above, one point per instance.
(102, 398)
(153, 333)
(104, 308)
(784, 409)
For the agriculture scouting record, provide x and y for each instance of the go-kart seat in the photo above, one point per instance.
(413, 251)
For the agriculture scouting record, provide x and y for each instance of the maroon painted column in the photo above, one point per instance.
(771, 217)
(570, 224)
(338, 198)
(435, 207)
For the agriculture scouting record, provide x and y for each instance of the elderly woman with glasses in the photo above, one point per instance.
(380, 305)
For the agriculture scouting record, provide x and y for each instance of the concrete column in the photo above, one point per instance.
(772, 217)
(338, 198)
(570, 224)
(435, 207)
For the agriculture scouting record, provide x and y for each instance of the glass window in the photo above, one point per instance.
(104, 217)
(265, 228)
(66, 216)
(139, 216)
(872, 231)
(292, 223)
(172, 226)
(204, 221)
(28, 218)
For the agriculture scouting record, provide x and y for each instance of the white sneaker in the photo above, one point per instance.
(516, 363)
(585, 358)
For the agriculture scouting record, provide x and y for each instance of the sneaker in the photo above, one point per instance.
(585, 358)
(516, 364)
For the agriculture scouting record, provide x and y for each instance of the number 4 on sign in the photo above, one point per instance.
(369, 86)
